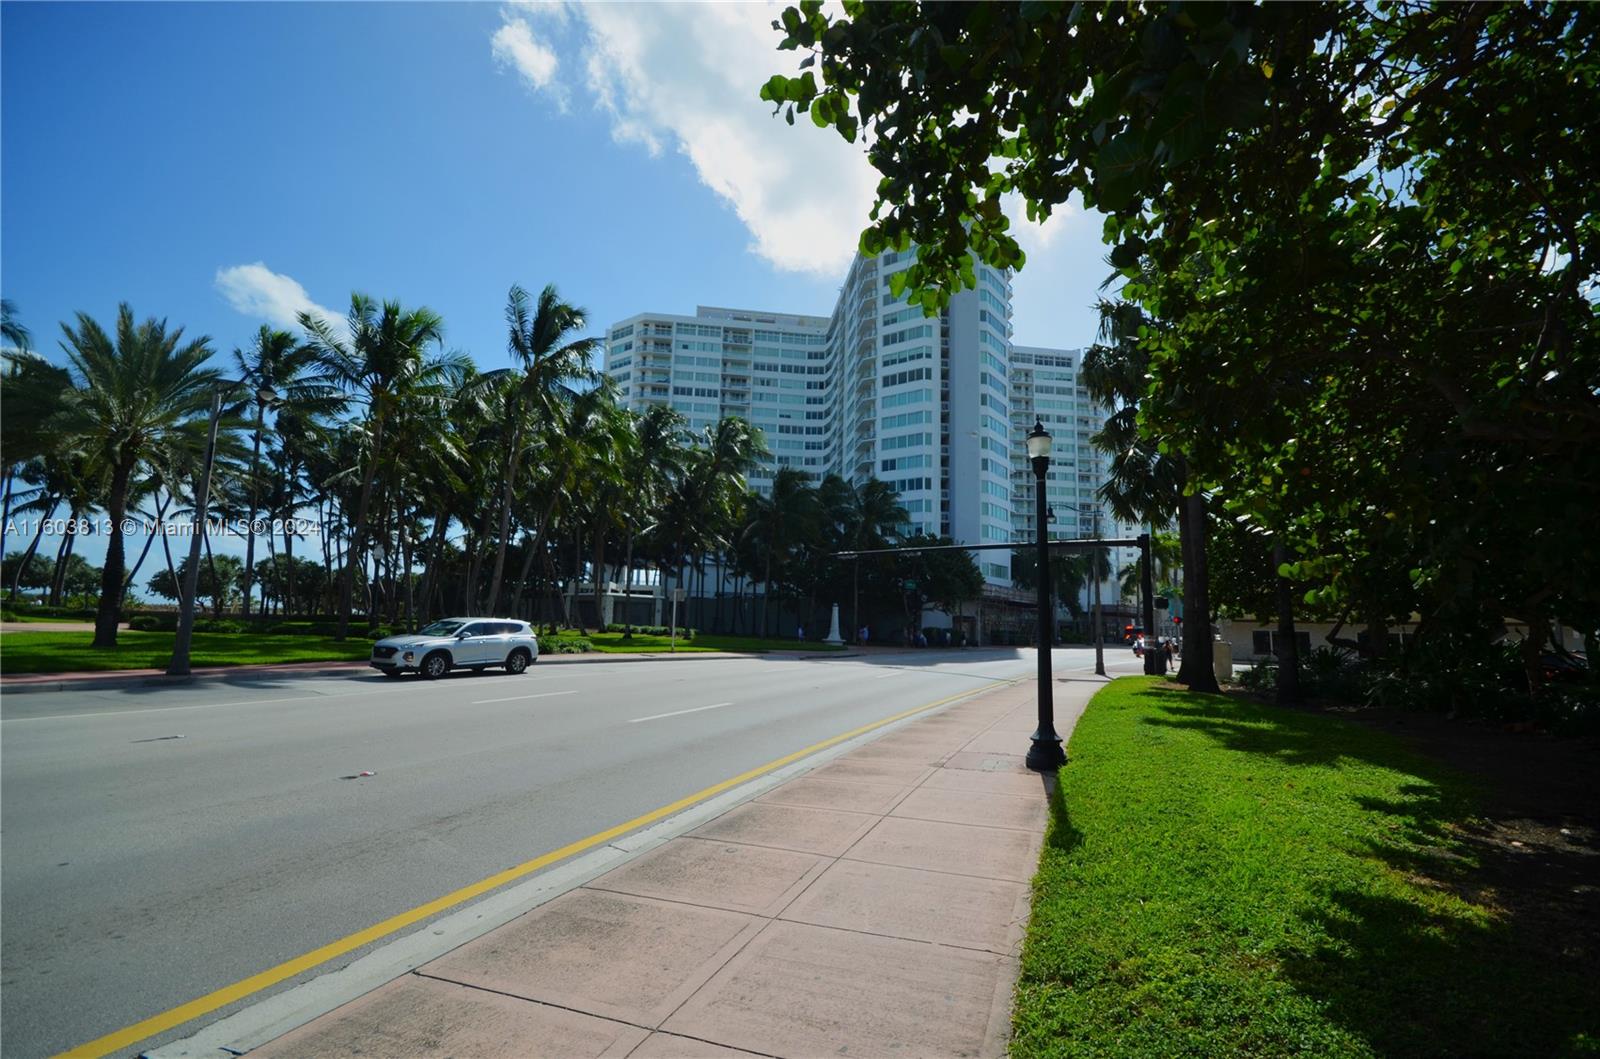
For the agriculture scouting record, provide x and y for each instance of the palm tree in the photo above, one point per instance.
(276, 368)
(549, 360)
(11, 329)
(134, 394)
(383, 365)
(784, 514)
(1147, 485)
(733, 448)
(865, 517)
(32, 395)
(658, 460)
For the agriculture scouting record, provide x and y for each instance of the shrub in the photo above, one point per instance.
(380, 633)
(576, 646)
(217, 625)
(145, 623)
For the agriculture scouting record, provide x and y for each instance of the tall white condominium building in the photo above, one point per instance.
(1045, 387)
(874, 390)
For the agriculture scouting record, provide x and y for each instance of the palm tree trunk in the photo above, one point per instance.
(64, 552)
(166, 549)
(105, 622)
(596, 564)
(149, 539)
(250, 529)
(347, 578)
(219, 591)
(430, 573)
(513, 463)
(5, 511)
(766, 592)
(288, 563)
(33, 546)
(628, 589)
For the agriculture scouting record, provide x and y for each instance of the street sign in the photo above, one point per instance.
(677, 595)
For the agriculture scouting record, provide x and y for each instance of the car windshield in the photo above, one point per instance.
(441, 628)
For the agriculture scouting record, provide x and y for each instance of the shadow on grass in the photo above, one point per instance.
(1418, 975)
(1061, 834)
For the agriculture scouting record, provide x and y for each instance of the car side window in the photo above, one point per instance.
(504, 628)
(475, 629)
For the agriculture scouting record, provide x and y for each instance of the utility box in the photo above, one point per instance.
(1222, 661)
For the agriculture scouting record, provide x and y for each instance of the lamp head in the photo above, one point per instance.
(1038, 441)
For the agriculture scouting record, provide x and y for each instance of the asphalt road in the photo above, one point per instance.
(141, 870)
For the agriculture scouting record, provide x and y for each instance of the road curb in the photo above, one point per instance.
(112, 682)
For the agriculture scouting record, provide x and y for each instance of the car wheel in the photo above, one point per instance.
(436, 665)
(517, 662)
(391, 672)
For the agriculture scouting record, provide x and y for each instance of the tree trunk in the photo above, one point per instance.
(598, 583)
(110, 611)
(58, 573)
(1288, 649)
(347, 577)
(627, 591)
(33, 546)
(250, 528)
(1196, 599)
(513, 463)
(150, 538)
(430, 572)
(219, 591)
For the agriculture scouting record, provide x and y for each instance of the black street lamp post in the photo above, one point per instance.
(1045, 755)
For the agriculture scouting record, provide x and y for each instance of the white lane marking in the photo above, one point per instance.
(203, 706)
(513, 698)
(679, 713)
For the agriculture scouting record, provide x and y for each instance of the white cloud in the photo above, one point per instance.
(515, 45)
(255, 290)
(688, 77)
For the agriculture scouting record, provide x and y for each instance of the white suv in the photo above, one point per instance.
(458, 643)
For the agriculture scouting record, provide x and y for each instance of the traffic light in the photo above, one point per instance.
(1177, 619)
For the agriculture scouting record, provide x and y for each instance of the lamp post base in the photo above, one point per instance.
(1045, 755)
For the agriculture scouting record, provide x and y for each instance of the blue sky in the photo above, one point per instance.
(225, 165)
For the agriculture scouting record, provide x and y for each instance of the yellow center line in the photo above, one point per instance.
(177, 1016)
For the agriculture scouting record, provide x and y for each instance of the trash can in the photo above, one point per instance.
(1222, 661)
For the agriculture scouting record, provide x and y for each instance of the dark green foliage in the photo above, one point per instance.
(1361, 238)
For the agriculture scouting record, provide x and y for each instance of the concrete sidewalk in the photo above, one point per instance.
(874, 906)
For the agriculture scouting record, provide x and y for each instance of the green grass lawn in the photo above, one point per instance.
(1222, 878)
(24, 618)
(66, 652)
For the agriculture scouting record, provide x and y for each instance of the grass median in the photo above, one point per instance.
(1225, 878)
(70, 652)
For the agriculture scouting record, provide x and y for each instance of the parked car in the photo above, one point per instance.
(458, 643)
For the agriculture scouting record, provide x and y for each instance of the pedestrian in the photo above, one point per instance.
(800, 633)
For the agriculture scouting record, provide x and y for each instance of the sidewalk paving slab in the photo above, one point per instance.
(874, 907)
